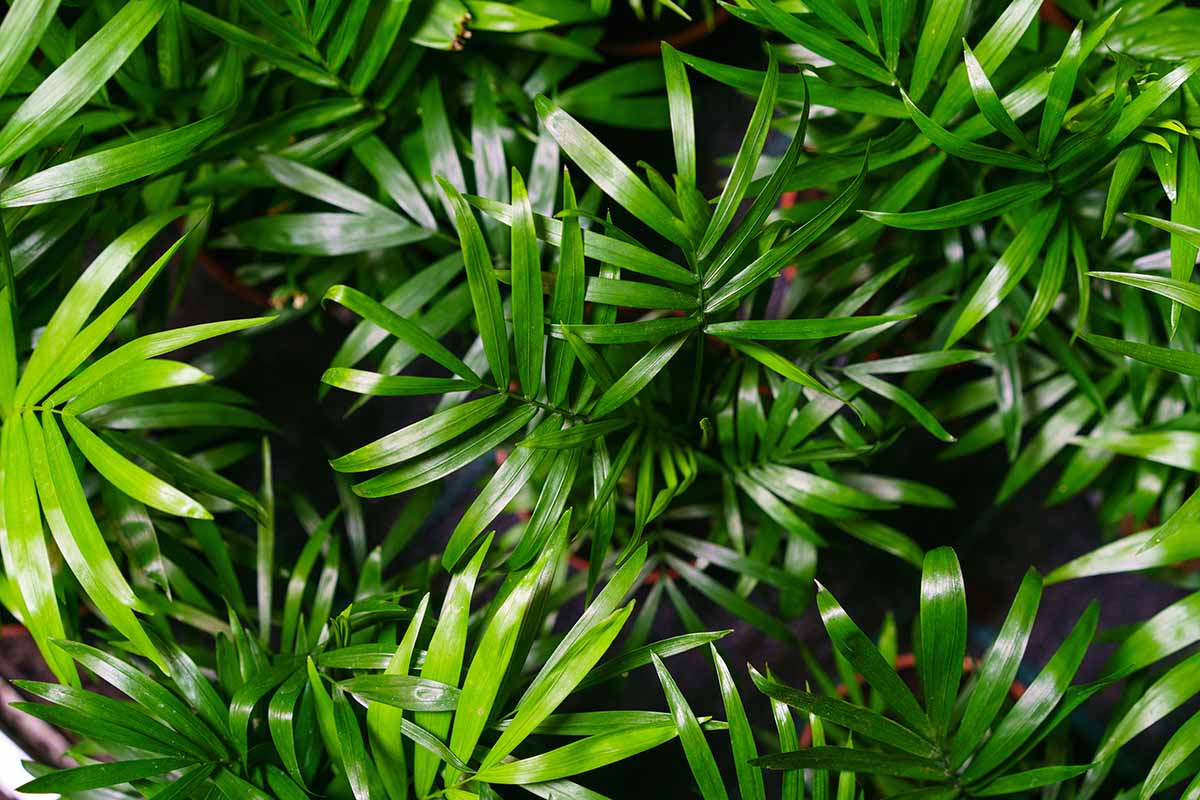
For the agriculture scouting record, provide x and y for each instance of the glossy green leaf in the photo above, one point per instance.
(844, 759)
(939, 28)
(683, 125)
(1039, 699)
(1000, 665)
(485, 293)
(83, 74)
(943, 635)
(1012, 265)
(444, 658)
(607, 171)
(858, 649)
(744, 163)
(848, 715)
(965, 212)
(581, 756)
(637, 376)
(1062, 85)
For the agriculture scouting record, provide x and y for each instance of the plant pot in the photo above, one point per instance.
(651, 47)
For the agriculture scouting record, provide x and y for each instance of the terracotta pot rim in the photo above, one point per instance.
(696, 31)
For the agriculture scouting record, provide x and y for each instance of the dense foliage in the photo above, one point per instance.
(967, 224)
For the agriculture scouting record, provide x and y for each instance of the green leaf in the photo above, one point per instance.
(403, 691)
(636, 294)
(270, 53)
(903, 399)
(322, 233)
(1031, 779)
(1000, 40)
(1125, 170)
(1000, 665)
(989, 102)
(404, 330)
(316, 184)
(940, 26)
(649, 330)
(492, 656)
(744, 163)
(1062, 85)
(353, 753)
(387, 28)
(1184, 362)
(78, 78)
(376, 385)
(1174, 448)
(769, 263)
(581, 756)
(485, 292)
(741, 736)
(844, 759)
(1187, 233)
(1038, 701)
(965, 212)
(281, 714)
(157, 700)
(848, 715)
(112, 167)
(1175, 753)
(148, 346)
(962, 148)
(78, 536)
(24, 25)
(813, 39)
(8, 350)
(637, 377)
(387, 744)
(444, 658)
(943, 636)
(1177, 685)
(574, 436)
(1138, 551)
(528, 320)
(1057, 432)
(751, 223)
(421, 436)
(129, 477)
(557, 679)
(26, 557)
(394, 179)
(683, 124)
(608, 172)
(506, 18)
(861, 652)
(699, 755)
(103, 719)
(794, 330)
(640, 657)
(439, 142)
(1167, 632)
(98, 776)
(606, 249)
(1012, 265)
(442, 462)
(916, 362)
(1054, 270)
(83, 297)
(143, 376)
(1180, 291)
(567, 297)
